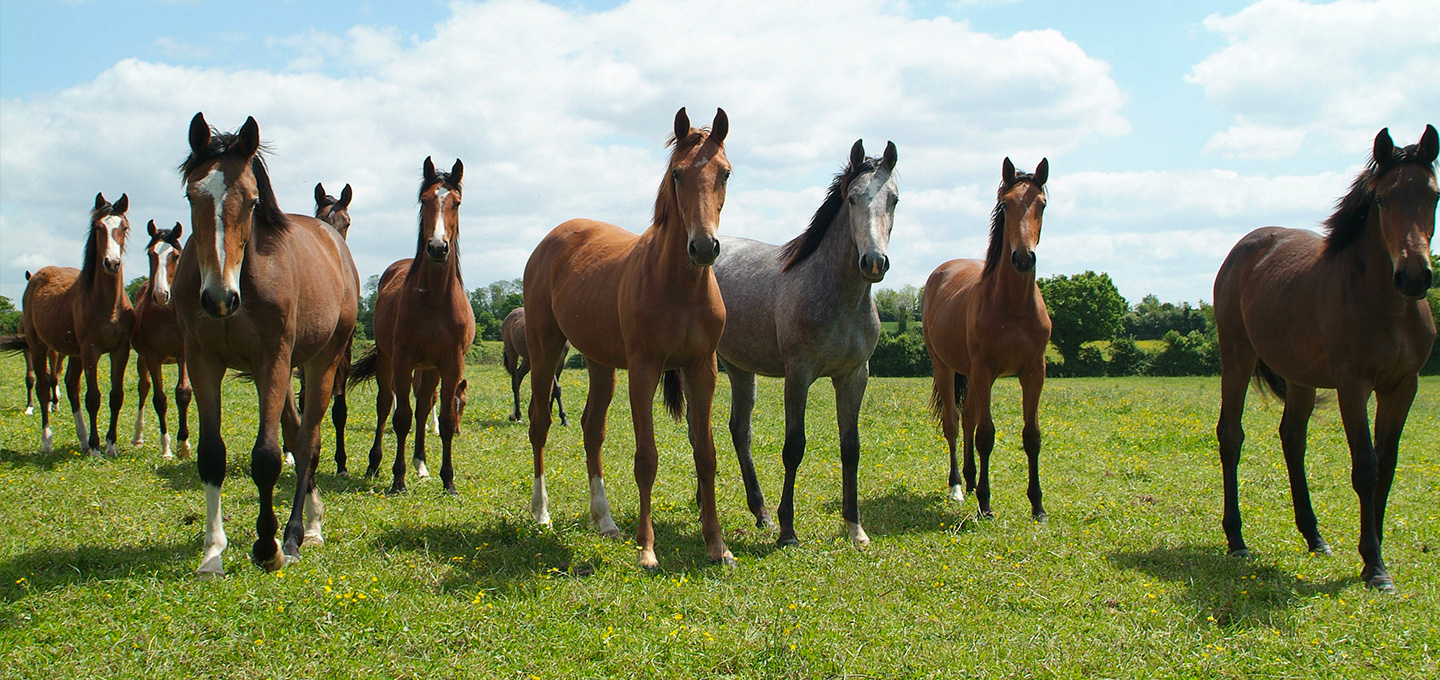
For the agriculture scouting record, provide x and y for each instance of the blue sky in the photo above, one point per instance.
(1171, 128)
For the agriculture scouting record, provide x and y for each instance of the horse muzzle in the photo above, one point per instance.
(112, 265)
(873, 266)
(704, 250)
(220, 306)
(438, 250)
(1414, 285)
(1023, 262)
(161, 297)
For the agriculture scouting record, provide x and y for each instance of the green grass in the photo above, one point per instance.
(1128, 579)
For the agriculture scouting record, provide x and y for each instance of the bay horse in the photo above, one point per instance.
(423, 325)
(157, 340)
(82, 313)
(336, 212)
(516, 355)
(804, 311)
(647, 303)
(1347, 310)
(259, 291)
(56, 362)
(985, 320)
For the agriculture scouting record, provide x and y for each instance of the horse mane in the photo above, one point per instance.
(1344, 226)
(425, 183)
(808, 241)
(222, 143)
(87, 268)
(665, 197)
(997, 220)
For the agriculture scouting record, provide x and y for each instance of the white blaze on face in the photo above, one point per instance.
(213, 185)
(440, 193)
(112, 232)
(160, 284)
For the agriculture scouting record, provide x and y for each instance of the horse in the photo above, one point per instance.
(55, 363)
(423, 325)
(336, 212)
(516, 355)
(1344, 311)
(647, 303)
(803, 311)
(260, 291)
(81, 313)
(986, 320)
(157, 340)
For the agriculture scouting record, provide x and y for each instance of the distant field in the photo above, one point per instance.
(1128, 579)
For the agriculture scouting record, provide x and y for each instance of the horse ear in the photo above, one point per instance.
(682, 125)
(100, 201)
(176, 231)
(319, 193)
(457, 171)
(1384, 147)
(1429, 144)
(1042, 171)
(719, 128)
(429, 169)
(199, 134)
(891, 155)
(857, 153)
(150, 228)
(121, 206)
(345, 196)
(249, 137)
(1007, 172)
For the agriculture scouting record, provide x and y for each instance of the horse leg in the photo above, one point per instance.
(643, 381)
(57, 363)
(698, 381)
(555, 397)
(1236, 367)
(73, 370)
(161, 404)
(290, 422)
(1391, 409)
(1294, 424)
(797, 390)
(544, 342)
(142, 390)
(943, 394)
(91, 364)
(425, 384)
(210, 460)
(401, 374)
(983, 383)
(183, 393)
(1364, 479)
(384, 401)
(37, 354)
(449, 420)
(274, 393)
(849, 394)
(592, 425)
(306, 506)
(742, 409)
(516, 377)
(118, 359)
(339, 414)
(969, 421)
(1031, 383)
(29, 385)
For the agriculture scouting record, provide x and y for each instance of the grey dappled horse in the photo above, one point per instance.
(804, 311)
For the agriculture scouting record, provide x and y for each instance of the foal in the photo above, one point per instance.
(517, 361)
(157, 340)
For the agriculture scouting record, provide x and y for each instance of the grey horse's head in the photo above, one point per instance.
(870, 198)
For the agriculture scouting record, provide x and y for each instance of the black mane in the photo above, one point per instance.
(997, 220)
(222, 143)
(87, 268)
(1344, 226)
(808, 241)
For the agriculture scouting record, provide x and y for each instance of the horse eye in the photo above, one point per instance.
(1380, 200)
(727, 176)
(675, 175)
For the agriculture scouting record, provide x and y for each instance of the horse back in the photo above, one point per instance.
(947, 305)
(46, 315)
(750, 280)
(572, 288)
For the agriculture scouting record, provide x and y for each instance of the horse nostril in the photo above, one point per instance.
(1427, 278)
(693, 251)
(232, 301)
(884, 263)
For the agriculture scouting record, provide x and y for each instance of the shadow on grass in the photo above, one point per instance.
(1229, 592)
(44, 461)
(902, 510)
(503, 557)
(48, 570)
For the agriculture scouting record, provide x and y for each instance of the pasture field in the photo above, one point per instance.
(1128, 579)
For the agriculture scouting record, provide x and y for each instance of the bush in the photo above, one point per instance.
(576, 360)
(1088, 362)
(1126, 358)
(1190, 354)
(900, 356)
(485, 353)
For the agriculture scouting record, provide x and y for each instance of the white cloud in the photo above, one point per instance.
(1330, 74)
(560, 114)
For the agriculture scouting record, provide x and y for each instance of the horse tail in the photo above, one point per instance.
(508, 358)
(243, 376)
(364, 369)
(1268, 380)
(937, 404)
(12, 344)
(674, 395)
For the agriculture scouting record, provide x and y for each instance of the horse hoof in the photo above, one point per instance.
(138, 441)
(612, 533)
(275, 561)
(1322, 549)
(984, 514)
(212, 568)
(167, 456)
(395, 490)
(1042, 517)
(857, 535)
(450, 491)
(1381, 583)
(727, 560)
(111, 451)
(312, 540)
(957, 493)
(1241, 554)
(787, 541)
(289, 458)
(421, 470)
(29, 410)
(372, 472)
(564, 423)
(184, 448)
(342, 473)
(514, 417)
(649, 563)
(96, 453)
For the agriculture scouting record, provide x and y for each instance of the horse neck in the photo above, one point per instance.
(1010, 288)
(435, 278)
(839, 258)
(107, 290)
(664, 249)
(1371, 258)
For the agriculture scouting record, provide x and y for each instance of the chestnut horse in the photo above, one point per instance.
(1346, 311)
(157, 340)
(985, 320)
(82, 313)
(647, 303)
(517, 361)
(423, 325)
(56, 361)
(260, 291)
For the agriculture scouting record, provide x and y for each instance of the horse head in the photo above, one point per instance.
(870, 199)
(440, 194)
(1405, 194)
(163, 251)
(1020, 204)
(108, 229)
(333, 210)
(695, 184)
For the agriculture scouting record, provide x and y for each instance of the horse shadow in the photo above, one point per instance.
(179, 474)
(43, 571)
(503, 557)
(36, 459)
(902, 510)
(1225, 591)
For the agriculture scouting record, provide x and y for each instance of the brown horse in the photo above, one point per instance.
(82, 313)
(336, 212)
(55, 363)
(423, 325)
(157, 340)
(985, 320)
(1346, 311)
(648, 304)
(517, 361)
(260, 291)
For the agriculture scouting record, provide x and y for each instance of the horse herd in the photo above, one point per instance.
(260, 291)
